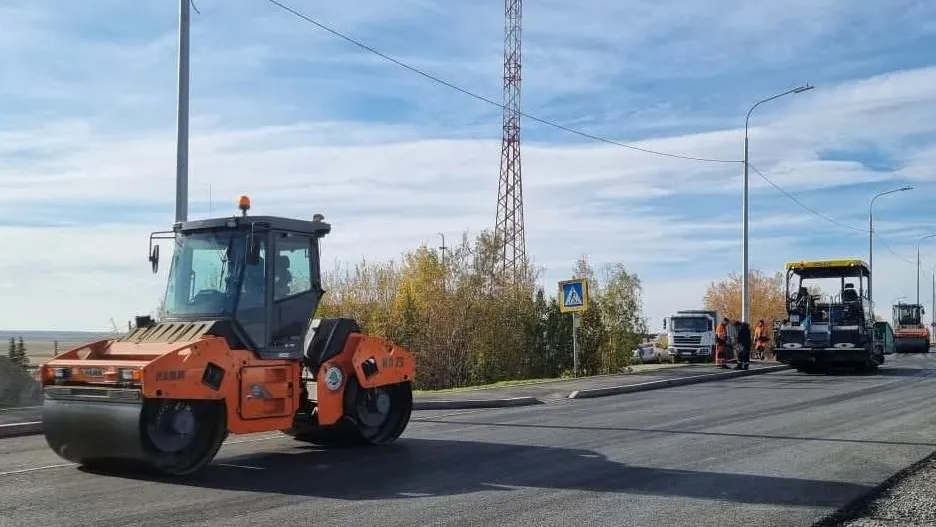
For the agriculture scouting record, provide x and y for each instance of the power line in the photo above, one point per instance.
(891, 249)
(558, 126)
(484, 99)
(827, 218)
(803, 205)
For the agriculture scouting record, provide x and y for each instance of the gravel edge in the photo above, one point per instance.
(888, 503)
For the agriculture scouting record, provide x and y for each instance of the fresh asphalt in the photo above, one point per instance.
(552, 390)
(543, 391)
(777, 449)
(20, 415)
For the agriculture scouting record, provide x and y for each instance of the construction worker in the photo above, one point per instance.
(744, 342)
(761, 340)
(735, 348)
(721, 343)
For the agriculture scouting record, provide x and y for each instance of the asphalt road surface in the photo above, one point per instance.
(777, 449)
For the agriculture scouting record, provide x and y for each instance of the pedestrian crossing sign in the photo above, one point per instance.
(573, 295)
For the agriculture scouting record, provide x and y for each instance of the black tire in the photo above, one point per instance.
(867, 367)
(341, 434)
(376, 425)
(180, 437)
(359, 427)
(812, 369)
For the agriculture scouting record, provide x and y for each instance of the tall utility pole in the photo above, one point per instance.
(182, 135)
(745, 294)
(509, 228)
(918, 268)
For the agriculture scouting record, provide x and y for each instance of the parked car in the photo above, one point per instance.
(646, 353)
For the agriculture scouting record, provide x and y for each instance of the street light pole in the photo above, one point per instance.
(871, 238)
(918, 266)
(443, 247)
(745, 293)
(444, 270)
(933, 300)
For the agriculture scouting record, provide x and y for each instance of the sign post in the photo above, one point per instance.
(573, 298)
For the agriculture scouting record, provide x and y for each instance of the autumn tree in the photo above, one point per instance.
(767, 297)
(466, 324)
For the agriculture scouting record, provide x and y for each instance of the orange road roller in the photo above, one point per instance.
(236, 350)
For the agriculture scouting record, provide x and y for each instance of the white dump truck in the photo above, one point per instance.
(690, 334)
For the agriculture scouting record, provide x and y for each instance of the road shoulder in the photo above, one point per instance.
(904, 499)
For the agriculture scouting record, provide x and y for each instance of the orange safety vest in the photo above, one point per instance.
(721, 334)
(760, 332)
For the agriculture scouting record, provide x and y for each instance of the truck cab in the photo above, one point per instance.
(690, 335)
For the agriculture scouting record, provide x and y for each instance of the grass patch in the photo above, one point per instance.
(498, 384)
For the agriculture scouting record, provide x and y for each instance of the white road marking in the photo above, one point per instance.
(34, 469)
(429, 418)
(255, 439)
(62, 465)
(240, 466)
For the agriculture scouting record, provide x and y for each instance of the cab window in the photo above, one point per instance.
(292, 273)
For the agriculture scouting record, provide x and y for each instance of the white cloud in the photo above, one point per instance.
(271, 120)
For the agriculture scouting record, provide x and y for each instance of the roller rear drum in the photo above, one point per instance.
(373, 416)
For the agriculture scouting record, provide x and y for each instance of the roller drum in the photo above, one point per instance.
(905, 344)
(85, 431)
(99, 425)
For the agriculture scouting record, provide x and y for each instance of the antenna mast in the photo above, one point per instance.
(509, 228)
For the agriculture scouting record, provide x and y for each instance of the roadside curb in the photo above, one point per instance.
(35, 427)
(668, 383)
(466, 404)
(21, 429)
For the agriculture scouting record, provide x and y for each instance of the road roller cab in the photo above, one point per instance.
(237, 349)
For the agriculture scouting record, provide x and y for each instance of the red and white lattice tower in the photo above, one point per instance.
(509, 227)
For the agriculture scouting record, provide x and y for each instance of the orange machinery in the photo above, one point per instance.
(910, 335)
(237, 350)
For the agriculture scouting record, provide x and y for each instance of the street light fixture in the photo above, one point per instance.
(871, 237)
(918, 264)
(745, 300)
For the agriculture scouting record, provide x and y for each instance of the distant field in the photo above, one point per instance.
(40, 345)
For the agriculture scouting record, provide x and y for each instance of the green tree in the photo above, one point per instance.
(622, 310)
(21, 357)
(11, 351)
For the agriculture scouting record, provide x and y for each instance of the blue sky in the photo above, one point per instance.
(305, 123)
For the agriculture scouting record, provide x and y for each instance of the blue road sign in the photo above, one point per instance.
(573, 295)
